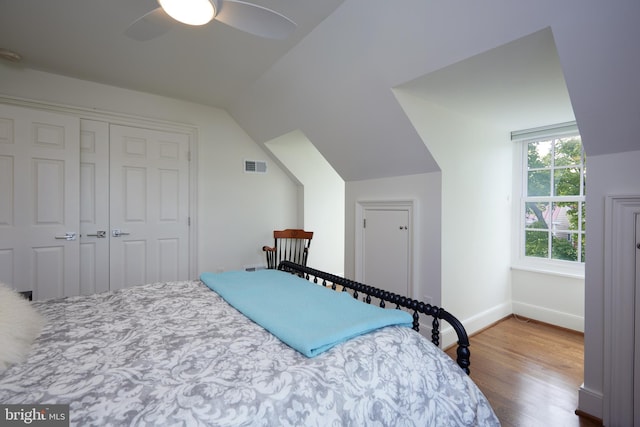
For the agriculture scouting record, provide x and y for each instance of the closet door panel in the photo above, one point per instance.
(149, 206)
(39, 218)
(94, 206)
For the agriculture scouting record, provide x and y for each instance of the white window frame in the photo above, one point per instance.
(519, 260)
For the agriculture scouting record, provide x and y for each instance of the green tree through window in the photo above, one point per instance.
(554, 208)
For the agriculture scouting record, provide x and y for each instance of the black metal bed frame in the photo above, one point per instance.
(370, 292)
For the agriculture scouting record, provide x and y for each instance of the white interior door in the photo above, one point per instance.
(386, 249)
(94, 207)
(149, 206)
(39, 189)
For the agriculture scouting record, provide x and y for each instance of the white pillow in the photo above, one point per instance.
(20, 325)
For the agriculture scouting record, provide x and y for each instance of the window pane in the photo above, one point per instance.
(565, 217)
(564, 247)
(539, 154)
(554, 204)
(539, 183)
(537, 215)
(566, 182)
(584, 246)
(568, 151)
(537, 244)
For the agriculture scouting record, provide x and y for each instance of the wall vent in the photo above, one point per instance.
(255, 166)
(254, 267)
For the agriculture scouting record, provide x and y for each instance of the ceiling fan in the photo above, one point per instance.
(251, 18)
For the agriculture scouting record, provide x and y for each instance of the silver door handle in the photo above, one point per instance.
(117, 233)
(67, 236)
(99, 234)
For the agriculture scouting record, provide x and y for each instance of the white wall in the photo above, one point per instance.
(550, 298)
(323, 195)
(484, 167)
(425, 191)
(236, 211)
(476, 163)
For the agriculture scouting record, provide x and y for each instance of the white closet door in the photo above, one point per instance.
(94, 207)
(149, 206)
(386, 250)
(39, 214)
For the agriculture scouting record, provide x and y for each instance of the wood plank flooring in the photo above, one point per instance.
(530, 372)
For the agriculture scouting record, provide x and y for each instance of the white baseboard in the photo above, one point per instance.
(590, 402)
(488, 317)
(474, 323)
(553, 317)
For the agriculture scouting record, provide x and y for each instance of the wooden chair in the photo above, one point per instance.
(291, 245)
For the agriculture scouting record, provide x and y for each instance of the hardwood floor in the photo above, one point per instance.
(530, 372)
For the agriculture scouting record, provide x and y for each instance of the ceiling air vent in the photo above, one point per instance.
(255, 166)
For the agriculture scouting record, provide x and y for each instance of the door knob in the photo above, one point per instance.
(101, 234)
(67, 236)
(116, 232)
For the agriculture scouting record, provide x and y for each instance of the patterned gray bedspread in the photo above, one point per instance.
(177, 354)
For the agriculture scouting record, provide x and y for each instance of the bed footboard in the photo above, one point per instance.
(369, 293)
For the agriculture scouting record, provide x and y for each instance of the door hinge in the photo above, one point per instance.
(189, 221)
(364, 223)
(188, 156)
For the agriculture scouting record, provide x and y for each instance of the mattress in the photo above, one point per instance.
(176, 353)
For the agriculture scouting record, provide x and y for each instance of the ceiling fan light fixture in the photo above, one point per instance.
(191, 12)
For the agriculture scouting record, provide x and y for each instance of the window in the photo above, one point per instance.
(552, 209)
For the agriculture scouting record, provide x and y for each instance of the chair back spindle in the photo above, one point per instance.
(289, 245)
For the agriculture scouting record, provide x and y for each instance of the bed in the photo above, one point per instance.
(178, 353)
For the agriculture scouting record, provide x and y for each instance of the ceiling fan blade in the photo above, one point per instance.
(150, 25)
(255, 19)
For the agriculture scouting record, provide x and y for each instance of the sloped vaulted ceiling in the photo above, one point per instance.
(334, 79)
(204, 64)
(336, 84)
(516, 86)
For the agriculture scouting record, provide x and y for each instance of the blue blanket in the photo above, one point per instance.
(308, 317)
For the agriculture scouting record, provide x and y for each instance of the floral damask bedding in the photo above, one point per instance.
(177, 354)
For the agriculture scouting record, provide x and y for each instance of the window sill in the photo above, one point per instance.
(556, 269)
